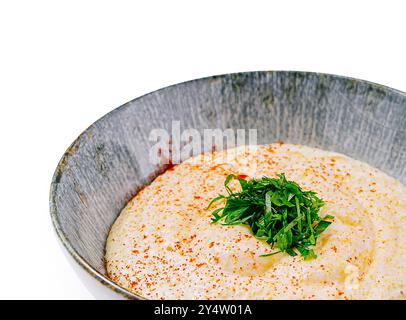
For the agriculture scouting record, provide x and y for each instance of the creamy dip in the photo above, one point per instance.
(163, 246)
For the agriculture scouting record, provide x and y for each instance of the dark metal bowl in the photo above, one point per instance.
(106, 165)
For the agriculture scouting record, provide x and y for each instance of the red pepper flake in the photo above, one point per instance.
(211, 244)
(270, 149)
(242, 176)
(215, 167)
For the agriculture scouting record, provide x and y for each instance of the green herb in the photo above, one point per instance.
(278, 211)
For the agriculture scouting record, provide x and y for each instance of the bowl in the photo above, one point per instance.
(108, 163)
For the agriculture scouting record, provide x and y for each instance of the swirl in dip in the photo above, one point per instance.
(163, 246)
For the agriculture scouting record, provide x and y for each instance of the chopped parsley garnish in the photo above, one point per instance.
(278, 211)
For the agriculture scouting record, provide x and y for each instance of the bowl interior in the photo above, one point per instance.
(109, 162)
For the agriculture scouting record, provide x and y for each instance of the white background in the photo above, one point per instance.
(64, 64)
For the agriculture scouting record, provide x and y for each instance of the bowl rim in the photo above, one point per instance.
(59, 171)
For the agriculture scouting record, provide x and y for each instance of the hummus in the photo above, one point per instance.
(163, 246)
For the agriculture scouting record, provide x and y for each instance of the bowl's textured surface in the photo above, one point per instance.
(103, 169)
